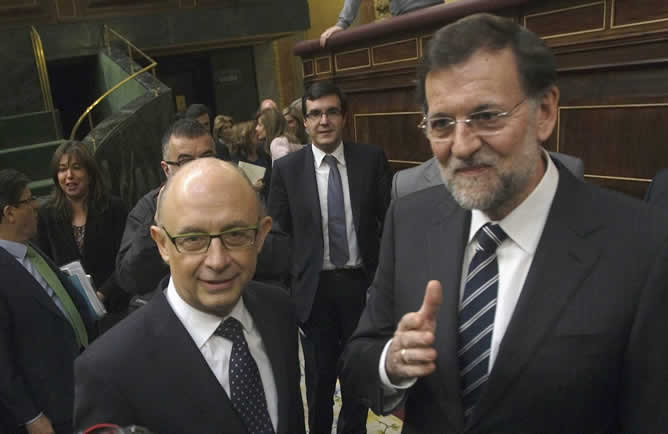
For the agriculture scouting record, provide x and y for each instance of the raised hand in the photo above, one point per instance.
(412, 352)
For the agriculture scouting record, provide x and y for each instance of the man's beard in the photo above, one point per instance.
(502, 183)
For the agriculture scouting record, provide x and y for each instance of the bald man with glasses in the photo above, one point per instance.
(214, 351)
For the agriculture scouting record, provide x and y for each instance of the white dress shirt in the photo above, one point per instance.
(524, 227)
(217, 350)
(322, 177)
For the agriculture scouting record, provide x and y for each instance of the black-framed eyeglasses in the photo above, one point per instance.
(316, 115)
(187, 160)
(31, 199)
(198, 242)
(483, 123)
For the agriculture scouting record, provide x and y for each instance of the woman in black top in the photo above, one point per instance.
(82, 221)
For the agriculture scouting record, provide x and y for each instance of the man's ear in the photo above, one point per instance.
(165, 168)
(263, 229)
(8, 214)
(548, 112)
(161, 241)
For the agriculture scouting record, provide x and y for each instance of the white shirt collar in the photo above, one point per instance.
(524, 225)
(201, 325)
(18, 250)
(319, 154)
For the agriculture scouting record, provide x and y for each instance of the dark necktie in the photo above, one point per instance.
(336, 216)
(70, 310)
(246, 391)
(476, 315)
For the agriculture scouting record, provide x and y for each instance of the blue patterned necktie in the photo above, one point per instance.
(246, 391)
(476, 315)
(336, 216)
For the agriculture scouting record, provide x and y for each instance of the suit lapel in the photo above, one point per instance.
(432, 174)
(355, 175)
(212, 403)
(563, 260)
(450, 226)
(26, 282)
(263, 318)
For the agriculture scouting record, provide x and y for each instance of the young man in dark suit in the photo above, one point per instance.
(42, 329)
(535, 302)
(214, 352)
(331, 197)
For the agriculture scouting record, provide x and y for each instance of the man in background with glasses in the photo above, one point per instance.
(42, 328)
(331, 197)
(215, 351)
(531, 303)
(138, 264)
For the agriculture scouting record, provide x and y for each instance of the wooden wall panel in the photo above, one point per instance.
(632, 188)
(105, 8)
(394, 52)
(369, 121)
(636, 12)
(573, 20)
(66, 8)
(323, 65)
(394, 131)
(215, 3)
(621, 143)
(612, 57)
(308, 68)
(22, 10)
(353, 59)
(637, 51)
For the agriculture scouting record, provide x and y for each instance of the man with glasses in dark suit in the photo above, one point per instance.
(532, 302)
(214, 351)
(331, 197)
(42, 328)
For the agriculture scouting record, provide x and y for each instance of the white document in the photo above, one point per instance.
(76, 271)
(252, 171)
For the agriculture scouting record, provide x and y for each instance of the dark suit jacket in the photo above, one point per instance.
(102, 240)
(416, 178)
(147, 371)
(139, 266)
(585, 349)
(37, 347)
(657, 192)
(294, 203)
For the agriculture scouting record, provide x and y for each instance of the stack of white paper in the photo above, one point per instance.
(253, 171)
(84, 284)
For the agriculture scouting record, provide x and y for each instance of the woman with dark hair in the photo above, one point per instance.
(221, 130)
(81, 221)
(294, 124)
(245, 147)
(271, 127)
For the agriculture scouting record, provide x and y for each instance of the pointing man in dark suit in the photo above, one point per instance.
(42, 329)
(331, 197)
(545, 301)
(215, 352)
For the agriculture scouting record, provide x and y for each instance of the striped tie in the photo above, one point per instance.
(476, 315)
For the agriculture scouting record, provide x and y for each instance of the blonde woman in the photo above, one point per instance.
(271, 127)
